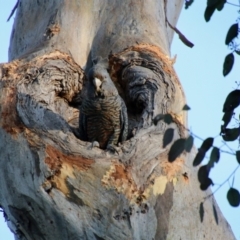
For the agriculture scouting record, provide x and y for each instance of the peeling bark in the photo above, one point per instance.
(55, 186)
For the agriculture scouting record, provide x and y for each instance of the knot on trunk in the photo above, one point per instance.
(145, 76)
(49, 84)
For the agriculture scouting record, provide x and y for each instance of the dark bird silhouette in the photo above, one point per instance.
(103, 113)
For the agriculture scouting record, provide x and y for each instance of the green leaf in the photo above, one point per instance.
(176, 149)
(201, 211)
(203, 178)
(211, 3)
(230, 134)
(168, 136)
(237, 52)
(186, 107)
(228, 64)
(199, 158)
(209, 12)
(232, 33)
(214, 157)
(227, 118)
(168, 118)
(232, 101)
(158, 118)
(203, 173)
(188, 3)
(220, 5)
(238, 156)
(207, 144)
(233, 197)
(215, 214)
(189, 143)
(204, 186)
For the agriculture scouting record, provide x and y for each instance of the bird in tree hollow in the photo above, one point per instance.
(103, 113)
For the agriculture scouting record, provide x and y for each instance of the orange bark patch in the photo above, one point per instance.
(153, 51)
(158, 53)
(56, 55)
(55, 158)
(120, 173)
(8, 91)
(14, 72)
(9, 117)
(33, 139)
(62, 167)
(179, 119)
(52, 30)
(119, 178)
(171, 170)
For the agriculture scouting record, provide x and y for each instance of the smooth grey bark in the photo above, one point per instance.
(55, 186)
(94, 26)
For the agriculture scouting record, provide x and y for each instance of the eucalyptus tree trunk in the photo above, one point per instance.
(55, 186)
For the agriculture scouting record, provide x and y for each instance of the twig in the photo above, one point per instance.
(223, 183)
(199, 138)
(13, 11)
(181, 36)
(235, 5)
(233, 152)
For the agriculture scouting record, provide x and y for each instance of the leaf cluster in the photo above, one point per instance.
(213, 5)
(204, 171)
(231, 36)
(182, 145)
(231, 103)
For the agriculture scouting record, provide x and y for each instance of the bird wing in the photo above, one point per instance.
(123, 122)
(83, 127)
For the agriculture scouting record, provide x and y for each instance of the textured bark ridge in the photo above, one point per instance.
(147, 82)
(55, 186)
(48, 86)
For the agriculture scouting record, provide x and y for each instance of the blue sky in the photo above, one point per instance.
(200, 72)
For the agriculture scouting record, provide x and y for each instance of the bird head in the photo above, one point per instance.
(101, 81)
(98, 86)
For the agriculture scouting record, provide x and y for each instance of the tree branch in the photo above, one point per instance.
(13, 11)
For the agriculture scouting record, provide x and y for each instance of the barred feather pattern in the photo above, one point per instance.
(104, 120)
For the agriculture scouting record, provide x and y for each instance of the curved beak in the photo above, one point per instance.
(97, 83)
